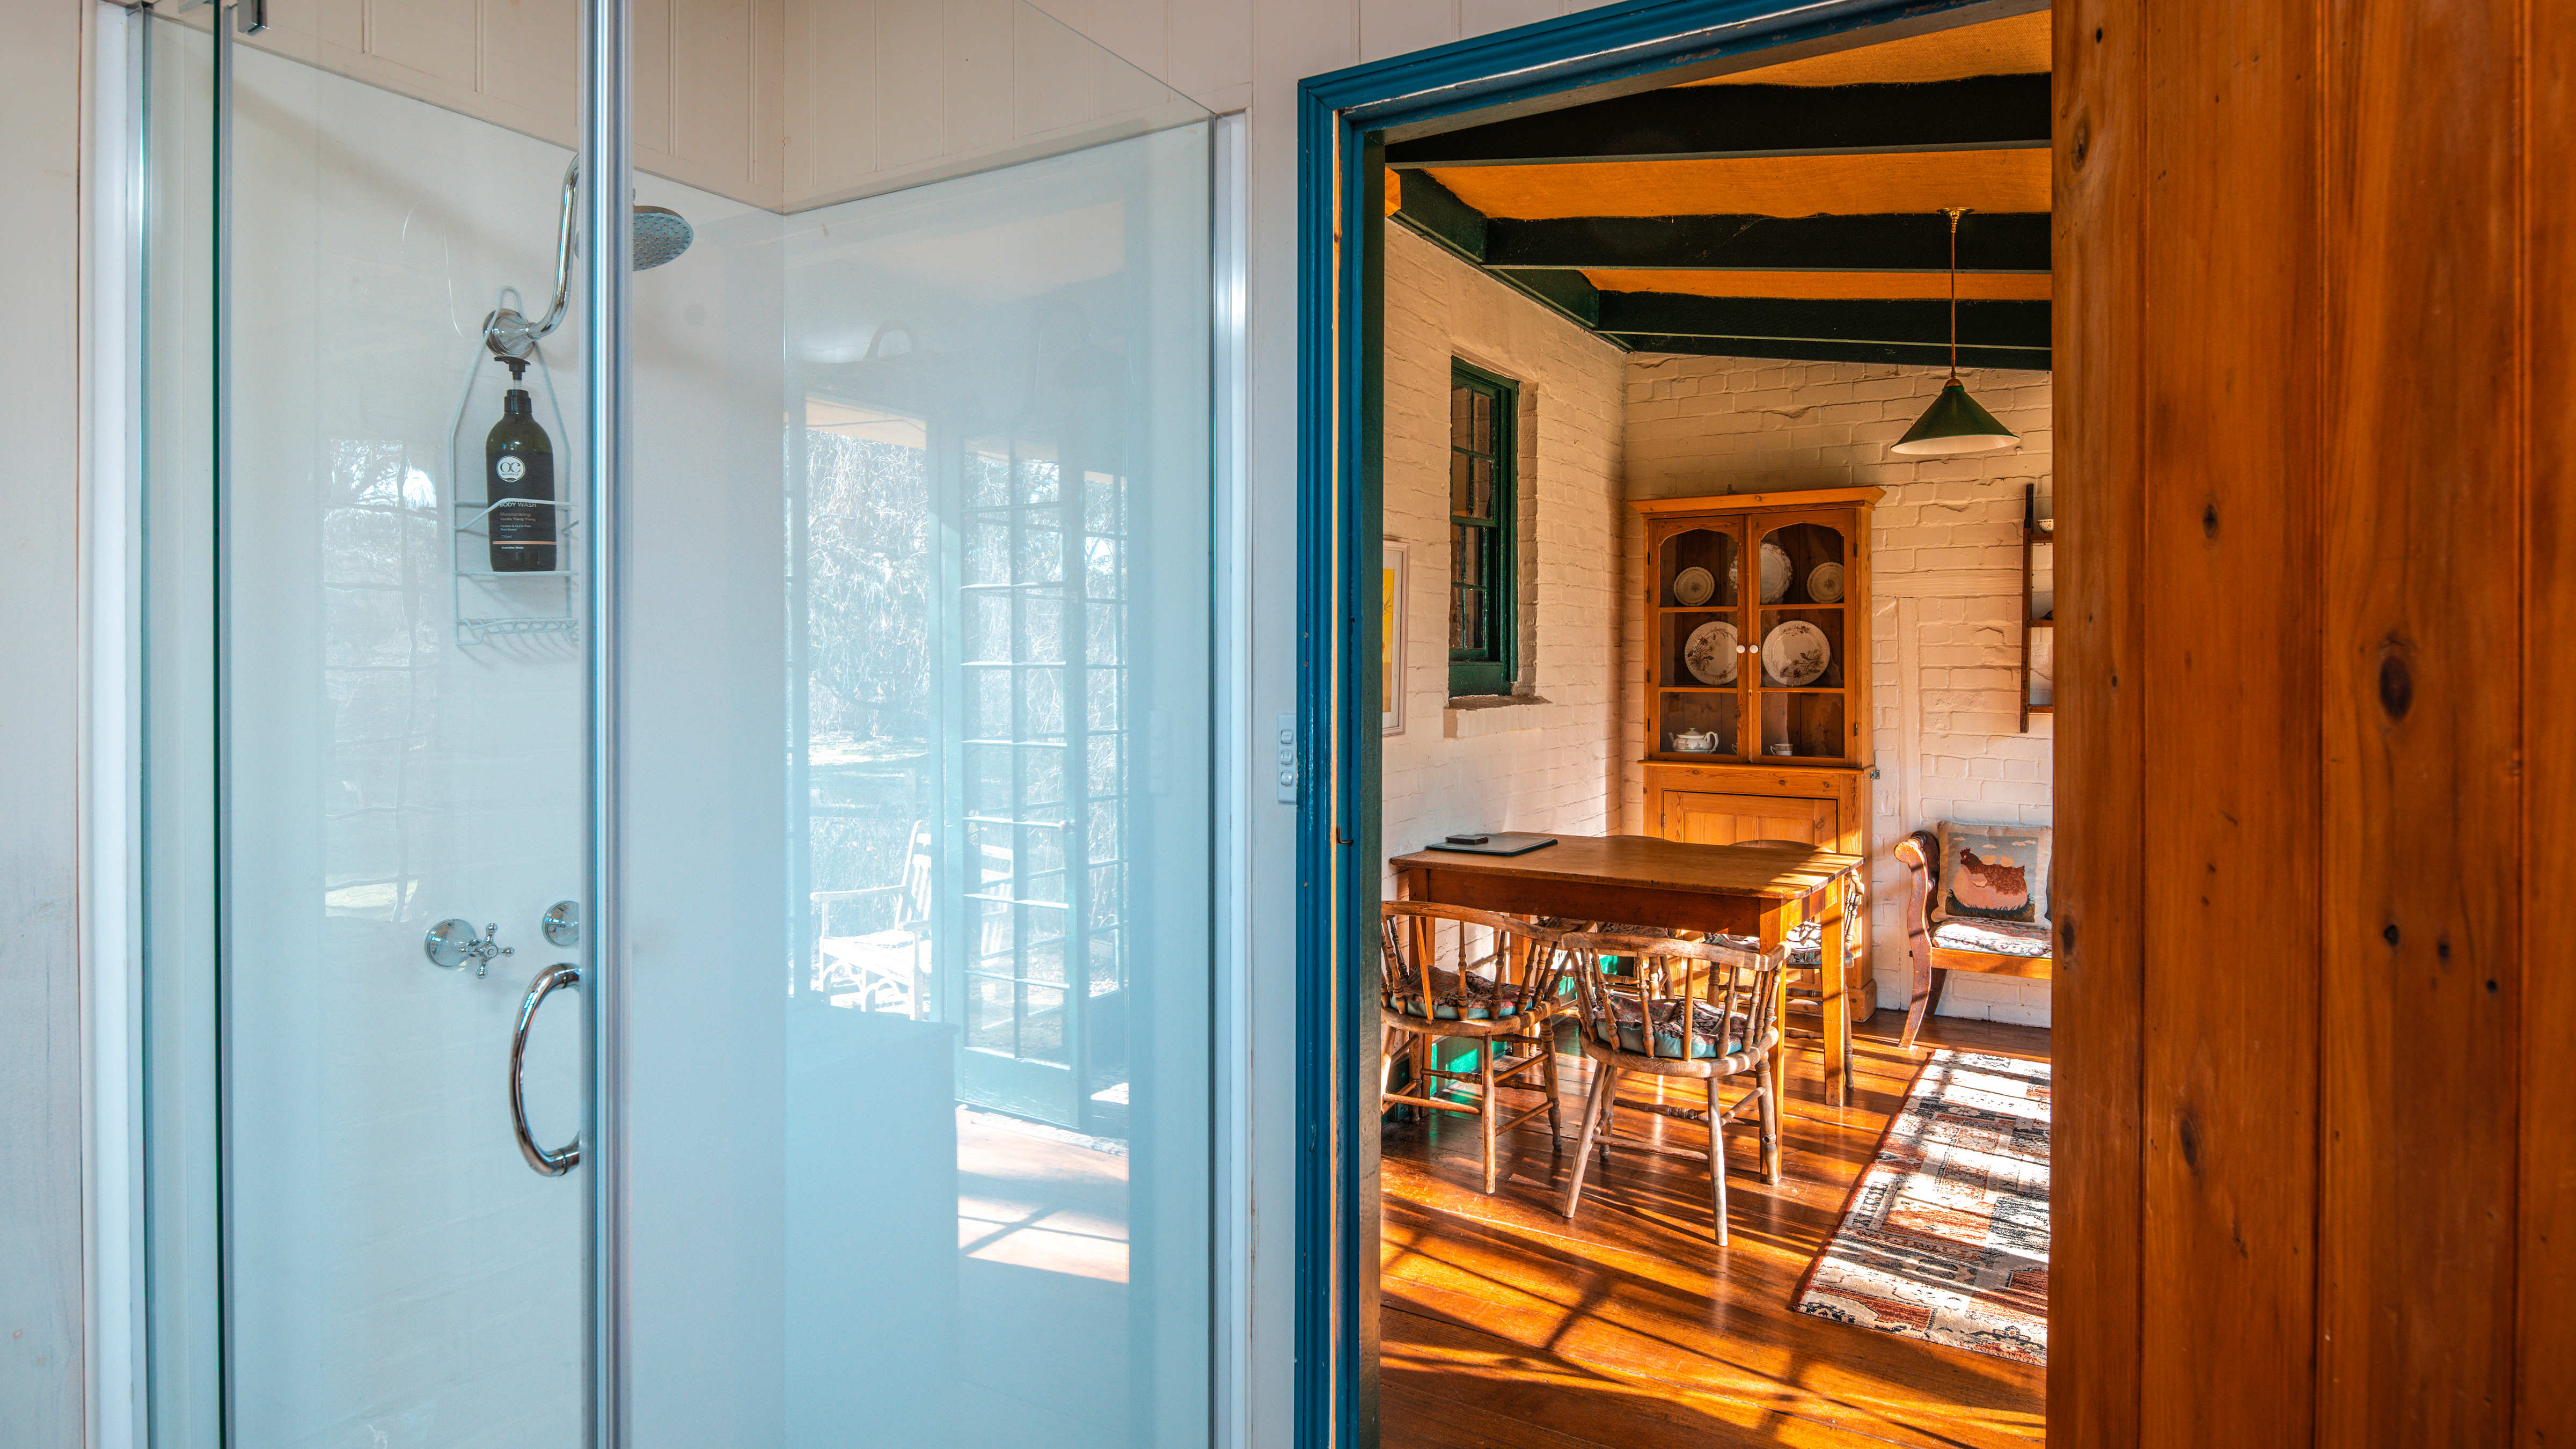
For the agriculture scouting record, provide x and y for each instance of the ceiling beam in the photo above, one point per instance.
(1994, 112)
(1899, 242)
(1992, 333)
(1809, 349)
(1435, 211)
(2017, 326)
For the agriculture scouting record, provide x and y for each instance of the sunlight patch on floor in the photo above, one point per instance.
(1032, 1202)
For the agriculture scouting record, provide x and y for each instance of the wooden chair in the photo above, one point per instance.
(1705, 1009)
(1504, 984)
(1934, 949)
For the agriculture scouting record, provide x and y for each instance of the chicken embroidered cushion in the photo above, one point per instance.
(1992, 873)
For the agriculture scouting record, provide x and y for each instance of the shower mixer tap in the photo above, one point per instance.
(453, 942)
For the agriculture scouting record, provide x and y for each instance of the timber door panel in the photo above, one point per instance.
(2312, 1167)
(1714, 819)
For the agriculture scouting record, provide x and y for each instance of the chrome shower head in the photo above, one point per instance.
(661, 234)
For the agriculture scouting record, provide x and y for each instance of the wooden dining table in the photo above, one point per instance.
(1763, 891)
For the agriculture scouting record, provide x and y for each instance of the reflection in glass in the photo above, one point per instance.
(998, 522)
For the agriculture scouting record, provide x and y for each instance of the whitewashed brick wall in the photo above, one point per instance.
(1945, 579)
(1544, 760)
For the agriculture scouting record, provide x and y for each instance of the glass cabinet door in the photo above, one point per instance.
(1698, 640)
(1801, 645)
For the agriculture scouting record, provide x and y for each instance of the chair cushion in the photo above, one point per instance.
(1453, 999)
(1991, 873)
(1709, 1028)
(2000, 938)
(1806, 946)
(1602, 928)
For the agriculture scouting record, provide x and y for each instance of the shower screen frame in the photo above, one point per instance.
(607, 157)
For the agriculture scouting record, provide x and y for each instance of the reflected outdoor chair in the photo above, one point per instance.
(1451, 972)
(1704, 1009)
(885, 969)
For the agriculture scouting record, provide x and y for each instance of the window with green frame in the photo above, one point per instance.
(1482, 571)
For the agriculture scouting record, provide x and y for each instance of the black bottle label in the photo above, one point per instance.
(523, 534)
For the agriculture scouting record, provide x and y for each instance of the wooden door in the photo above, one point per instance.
(2314, 1176)
(1708, 818)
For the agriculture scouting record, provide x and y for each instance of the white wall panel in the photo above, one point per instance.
(650, 110)
(886, 94)
(711, 64)
(41, 1354)
(1394, 27)
(707, 102)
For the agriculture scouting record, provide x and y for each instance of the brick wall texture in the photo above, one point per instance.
(1546, 760)
(1945, 575)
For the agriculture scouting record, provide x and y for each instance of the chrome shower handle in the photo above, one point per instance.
(565, 1158)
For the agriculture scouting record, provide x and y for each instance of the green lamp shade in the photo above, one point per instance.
(1954, 424)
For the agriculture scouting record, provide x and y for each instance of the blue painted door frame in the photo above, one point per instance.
(1342, 119)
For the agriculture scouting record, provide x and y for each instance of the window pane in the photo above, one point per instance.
(1467, 619)
(1484, 439)
(1458, 484)
(1481, 494)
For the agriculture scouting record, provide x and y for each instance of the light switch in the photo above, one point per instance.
(1287, 730)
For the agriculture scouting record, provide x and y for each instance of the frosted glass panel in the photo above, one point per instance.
(394, 1273)
(919, 979)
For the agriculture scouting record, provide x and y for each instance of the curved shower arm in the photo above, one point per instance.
(562, 257)
(506, 332)
(563, 254)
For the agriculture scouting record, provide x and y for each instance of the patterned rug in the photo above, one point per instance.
(1946, 1235)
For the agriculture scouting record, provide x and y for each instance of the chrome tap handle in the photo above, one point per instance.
(451, 943)
(490, 946)
(565, 1158)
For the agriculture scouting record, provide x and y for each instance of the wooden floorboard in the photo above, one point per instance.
(1503, 1324)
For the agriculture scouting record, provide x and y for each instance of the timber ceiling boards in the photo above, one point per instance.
(1790, 211)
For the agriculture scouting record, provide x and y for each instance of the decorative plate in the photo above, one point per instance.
(1710, 652)
(1825, 583)
(1692, 587)
(1795, 654)
(1775, 572)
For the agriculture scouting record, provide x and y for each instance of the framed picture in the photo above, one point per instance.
(1392, 572)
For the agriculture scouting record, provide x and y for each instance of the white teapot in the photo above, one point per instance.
(1694, 743)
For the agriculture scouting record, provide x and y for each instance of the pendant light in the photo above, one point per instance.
(1954, 425)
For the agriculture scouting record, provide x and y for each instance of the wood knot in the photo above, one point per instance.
(2209, 520)
(2396, 685)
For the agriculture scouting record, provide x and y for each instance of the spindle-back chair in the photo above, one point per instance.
(1502, 982)
(1705, 1009)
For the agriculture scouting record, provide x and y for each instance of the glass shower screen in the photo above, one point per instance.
(917, 770)
(905, 961)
